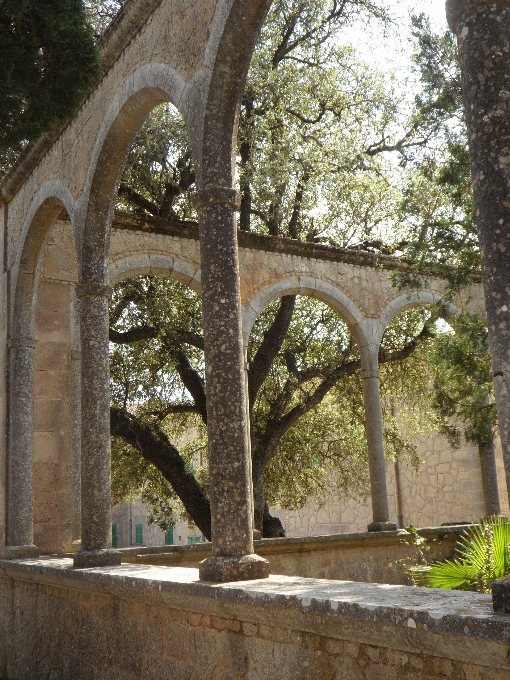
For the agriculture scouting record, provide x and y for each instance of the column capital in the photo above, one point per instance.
(22, 341)
(456, 8)
(93, 289)
(212, 195)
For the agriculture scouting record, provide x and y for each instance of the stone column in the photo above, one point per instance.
(96, 535)
(76, 445)
(20, 475)
(376, 461)
(483, 35)
(76, 421)
(489, 479)
(227, 424)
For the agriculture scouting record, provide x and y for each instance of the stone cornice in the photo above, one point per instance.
(277, 244)
(125, 26)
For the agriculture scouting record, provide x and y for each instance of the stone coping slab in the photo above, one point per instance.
(453, 624)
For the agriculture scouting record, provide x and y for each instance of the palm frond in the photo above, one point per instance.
(483, 556)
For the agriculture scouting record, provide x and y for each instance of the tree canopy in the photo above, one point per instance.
(48, 64)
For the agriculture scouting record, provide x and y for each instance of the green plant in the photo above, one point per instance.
(483, 556)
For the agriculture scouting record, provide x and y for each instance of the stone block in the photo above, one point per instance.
(52, 355)
(51, 384)
(225, 569)
(51, 447)
(501, 595)
(51, 415)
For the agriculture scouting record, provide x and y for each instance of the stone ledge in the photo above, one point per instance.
(254, 241)
(269, 546)
(449, 624)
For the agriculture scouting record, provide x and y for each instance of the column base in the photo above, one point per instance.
(238, 568)
(96, 558)
(382, 526)
(21, 552)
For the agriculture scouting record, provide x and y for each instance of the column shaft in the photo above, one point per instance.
(20, 475)
(489, 479)
(376, 461)
(96, 541)
(483, 34)
(231, 493)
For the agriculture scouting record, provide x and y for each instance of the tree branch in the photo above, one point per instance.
(269, 347)
(191, 379)
(138, 200)
(153, 445)
(132, 335)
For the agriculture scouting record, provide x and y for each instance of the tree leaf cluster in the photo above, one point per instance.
(48, 65)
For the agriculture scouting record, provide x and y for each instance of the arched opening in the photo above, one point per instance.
(158, 412)
(445, 410)
(146, 88)
(308, 439)
(37, 392)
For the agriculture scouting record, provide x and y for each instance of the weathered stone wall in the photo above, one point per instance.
(135, 622)
(447, 488)
(54, 493)
(376, 557)
(271, 267)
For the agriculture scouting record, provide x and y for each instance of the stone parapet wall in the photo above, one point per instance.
(377, 557)
(136, 622)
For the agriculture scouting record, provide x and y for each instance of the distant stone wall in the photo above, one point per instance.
(370, 557)
(128, 515)
(446, 488)
(135, 622)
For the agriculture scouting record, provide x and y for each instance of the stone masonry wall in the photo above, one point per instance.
(369, 557)
(135, 622)
(447, 488)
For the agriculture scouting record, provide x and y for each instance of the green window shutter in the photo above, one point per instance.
(115, 535)
(194, 539)
(169, 536)
(139, 534)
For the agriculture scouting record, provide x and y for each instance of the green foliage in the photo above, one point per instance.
(483, 556)
(463, 390)
(101, 12)
(321, 451)
(48, 65)
(437, 210)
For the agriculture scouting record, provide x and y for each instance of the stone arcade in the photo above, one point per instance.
(81, 622)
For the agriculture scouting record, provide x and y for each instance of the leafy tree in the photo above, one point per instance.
(100, 13)
(48, 64)
(463, 397)
(304, 388)
(437, 210)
